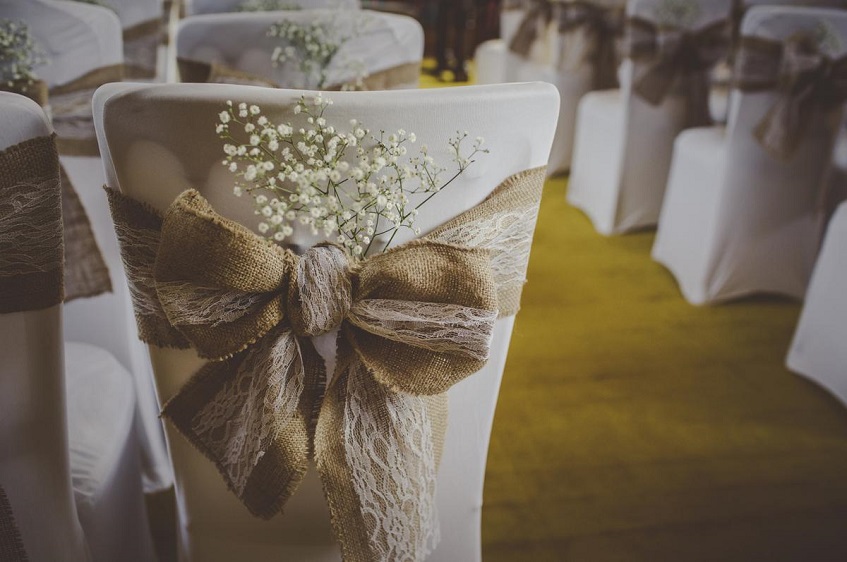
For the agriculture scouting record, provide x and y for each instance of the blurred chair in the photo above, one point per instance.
(68, 452)
(84, 45)
(817, 351)
(161, 140)
(141, 21)
(624, 138)
(235, 48)
(198, 7)
(743, 211)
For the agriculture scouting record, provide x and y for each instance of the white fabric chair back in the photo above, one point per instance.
(240, 41)
(784, 192)
(197, 7)
(34, 463)
(76, 37)
(159, 141)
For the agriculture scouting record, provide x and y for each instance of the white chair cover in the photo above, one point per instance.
(155, 162)
(197, 7)
(240, 41)
(736, 219)
(79, 38)
(623, 146)
(573, 79)
(818, 350)
(490, 58)
(34, 462)
(76, 37)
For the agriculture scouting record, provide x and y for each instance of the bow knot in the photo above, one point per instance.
(321, 293)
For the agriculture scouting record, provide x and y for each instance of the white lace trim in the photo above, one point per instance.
(30, 228)
(140, 246)
(325, 289)
(440, 327)
(187, 304)
(243, 418)
(390, 453)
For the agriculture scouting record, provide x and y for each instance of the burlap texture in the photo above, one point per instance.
(33, 164)
(199, 248)
(809, 83)
(86, 274)
(678, 62)
(217, 73)
(11, 544)
(141, 42)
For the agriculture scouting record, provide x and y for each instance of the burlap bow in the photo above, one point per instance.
(678, 61)
(537, 16)
(411, 322)
(11, 543)
(808, 82)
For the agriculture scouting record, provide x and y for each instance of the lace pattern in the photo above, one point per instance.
(189, 305)
(30, 228)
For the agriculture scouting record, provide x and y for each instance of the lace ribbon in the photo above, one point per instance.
(31, 249)
(73, 119)
(412, 322)
(203, 72)
(11, 543)
(678, 62)
(590, 30)
(809, 82)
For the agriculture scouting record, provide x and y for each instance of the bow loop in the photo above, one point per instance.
(220, 285)
(391, 330)
(677, 60)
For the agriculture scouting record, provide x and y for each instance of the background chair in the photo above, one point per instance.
(68, 420)
(240, 42)
(624, 143)
(157, 146)
(141, 21)
(737, 219)
(817, 351)
(197, 7)
(82, 39)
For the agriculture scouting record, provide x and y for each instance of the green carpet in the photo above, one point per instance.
(633, 426)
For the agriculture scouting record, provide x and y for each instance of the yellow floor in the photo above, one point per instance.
(632, 426)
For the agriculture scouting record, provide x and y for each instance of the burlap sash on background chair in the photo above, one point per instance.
(28, 221)
(678, 63)
(216, 73)
(73, 119)
(141, 48)
(602, 27)
(809, 82)
(31, 248)
(411, 322)
(11, 544)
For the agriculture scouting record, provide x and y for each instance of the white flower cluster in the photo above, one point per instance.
(313, 47)
(268, 6)
(19, 54)
(351, 186)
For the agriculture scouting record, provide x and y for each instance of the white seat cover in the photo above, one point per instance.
(214, 525)
(240, 41)
(737, 220)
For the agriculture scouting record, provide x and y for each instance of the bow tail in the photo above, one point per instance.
(377, 452)
(527, 32)
(250, 415)
(782, 128)
(606, 61)
(656, 83)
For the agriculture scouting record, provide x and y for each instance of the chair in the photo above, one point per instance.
(490, 56)
(198, 7)
(817, 350)
(141, 21)
(743, 213)
(576, 52)
(68, 454)
(164, 124)
(624, 138)
(83, 43)
(235, 48)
